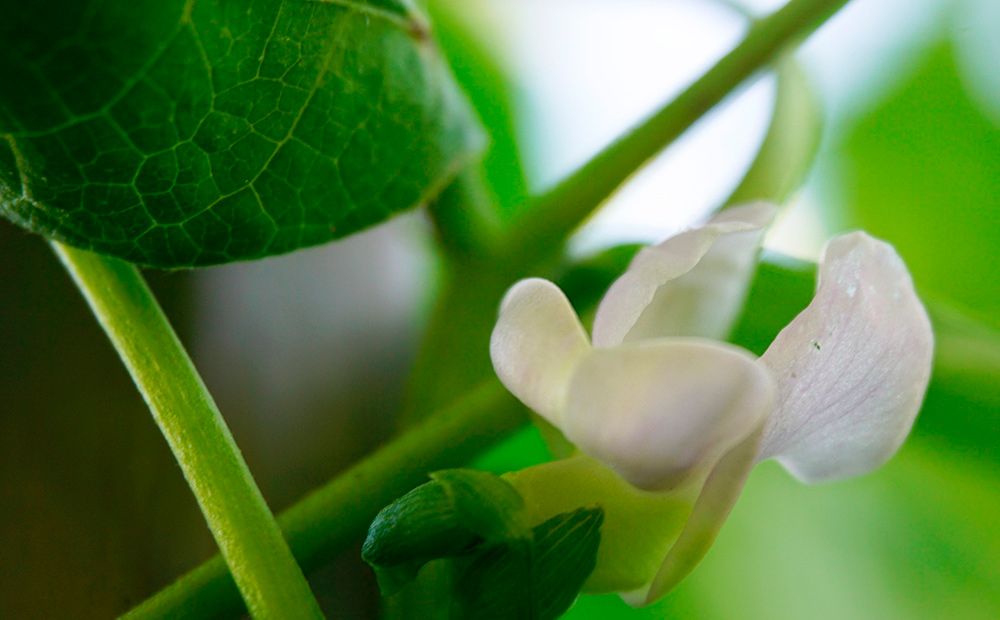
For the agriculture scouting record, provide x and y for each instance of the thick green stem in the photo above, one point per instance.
(270, 581)
(556, 213)
(335, 515)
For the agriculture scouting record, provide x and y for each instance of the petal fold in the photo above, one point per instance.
(536, 344)
(692, 284)
(722, 488)
(662, 412)
(852, 368)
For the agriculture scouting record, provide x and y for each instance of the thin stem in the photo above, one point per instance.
(270, 581)
(335, 515)
(556, 213)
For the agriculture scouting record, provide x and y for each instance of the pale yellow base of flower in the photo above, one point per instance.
(639, 527)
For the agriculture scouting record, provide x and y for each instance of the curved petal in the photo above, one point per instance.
(536, 344)
(692, 284)
(852, 368)
(664, 411)
(718, 496)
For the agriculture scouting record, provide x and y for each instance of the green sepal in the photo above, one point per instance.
(537, 580)
(452, 515)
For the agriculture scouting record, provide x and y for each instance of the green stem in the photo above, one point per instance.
(335, 515)
(270, 581)
(556, 213)
(463, 216)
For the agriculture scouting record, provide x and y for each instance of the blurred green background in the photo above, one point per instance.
(307, 354)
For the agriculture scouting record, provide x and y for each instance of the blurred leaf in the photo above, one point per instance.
(587, 280)
(524, 448)
(782, 288)
(538, 581)
(449, 516)
(492, 93)
(790, 144)
(177, 133)
(923, 171)
(962, 405)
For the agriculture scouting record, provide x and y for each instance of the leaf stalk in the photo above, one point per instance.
(271, 583)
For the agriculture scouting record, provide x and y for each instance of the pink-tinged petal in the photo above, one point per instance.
(852, 368)
(692, 284)
(536, 344)
(663, 412)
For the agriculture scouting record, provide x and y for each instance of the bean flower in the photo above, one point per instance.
(668, 419)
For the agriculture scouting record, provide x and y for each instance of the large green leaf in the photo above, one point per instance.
(178, 133)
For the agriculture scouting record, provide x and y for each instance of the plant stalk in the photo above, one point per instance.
(556, 213)
(271, 583)
(335, 515)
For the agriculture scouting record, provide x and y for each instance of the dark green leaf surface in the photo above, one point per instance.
(180, 133)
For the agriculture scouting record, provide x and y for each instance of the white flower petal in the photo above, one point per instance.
(692, 284)
(852, 368)
(536, 344)
(718, 496)
(663, 411)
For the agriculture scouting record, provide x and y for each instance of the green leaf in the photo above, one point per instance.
(587, 280)
(922, 170)
(178, 134)
(492, 93)
(452, 515)
(781, 289)
(538, 581)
